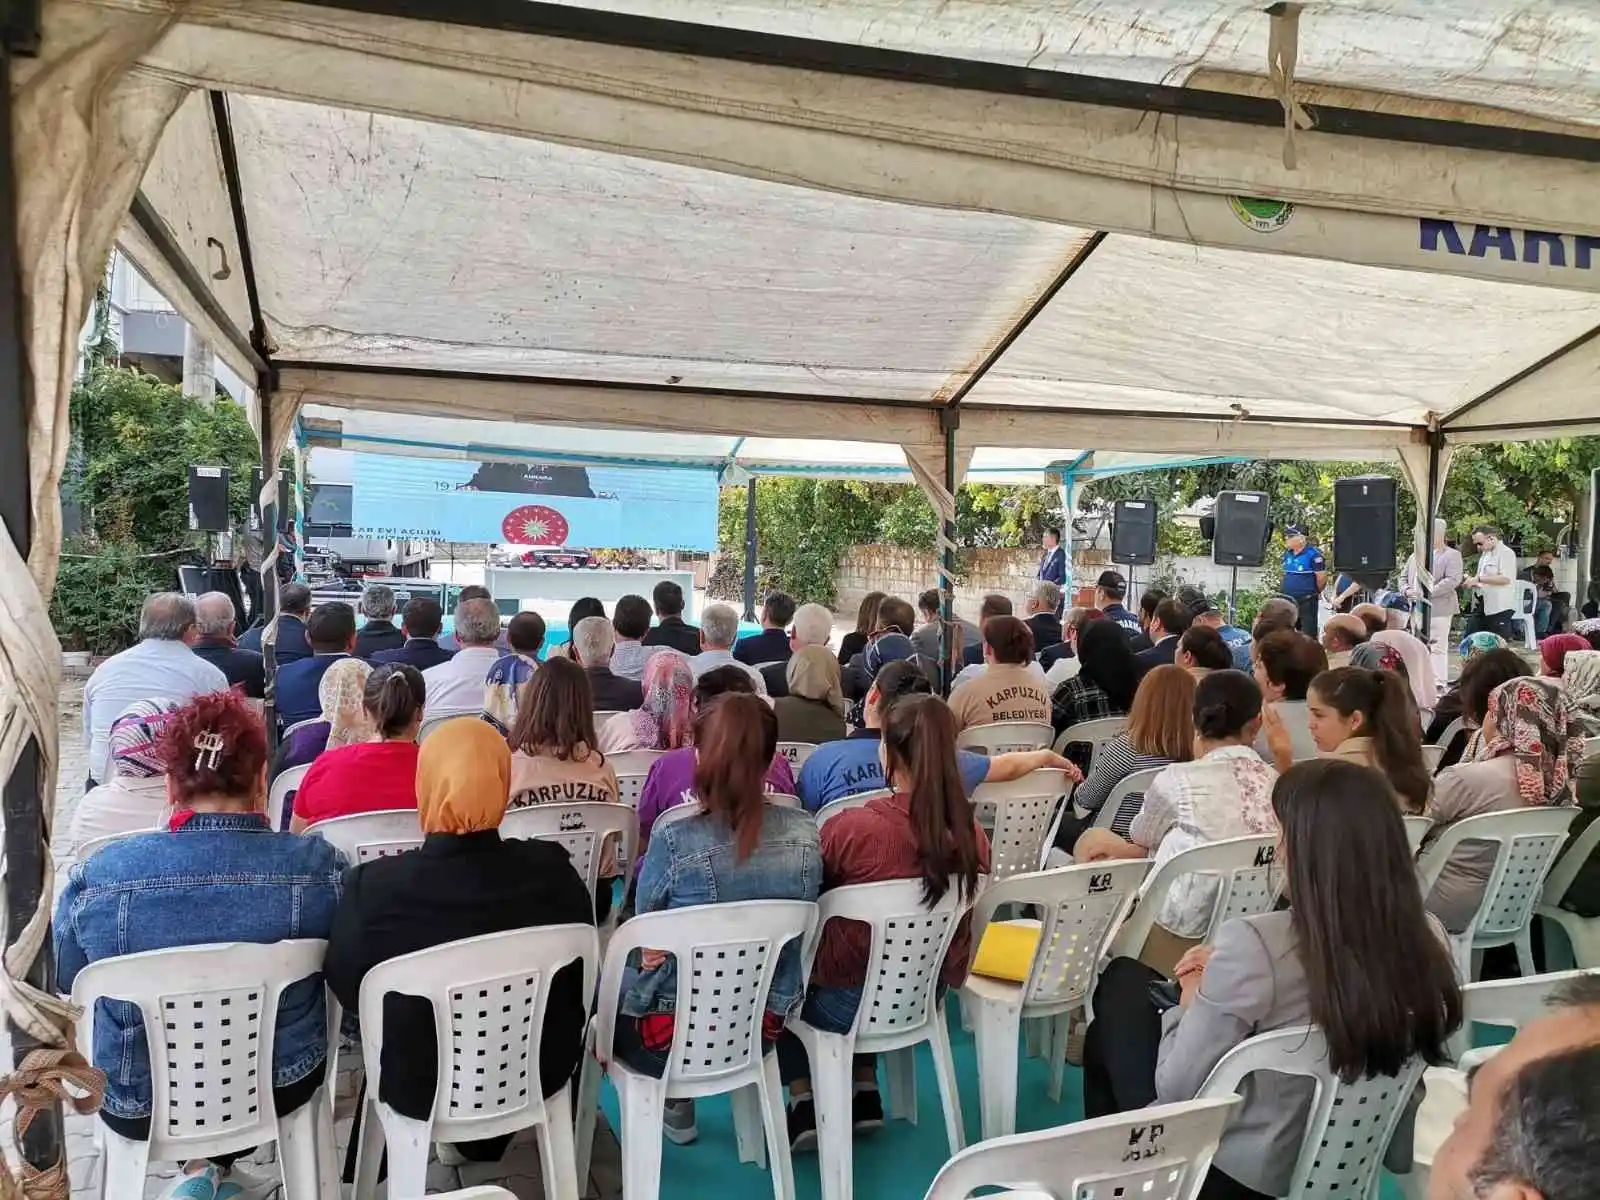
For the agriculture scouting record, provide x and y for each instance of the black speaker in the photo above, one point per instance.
(1242, 528)
(208, 499)
(285, 502)
(1365, 533)
(1133, 532)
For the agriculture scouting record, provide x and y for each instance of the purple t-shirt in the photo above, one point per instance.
(671, 783)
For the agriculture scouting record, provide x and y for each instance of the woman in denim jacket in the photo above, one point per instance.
(218, 874)
(737, 847)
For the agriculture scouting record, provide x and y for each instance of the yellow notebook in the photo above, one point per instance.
(1006, 951)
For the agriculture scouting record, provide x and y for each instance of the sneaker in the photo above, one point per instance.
(202, 1185)
(678, 1122)
(802, 1125)
(866, 1108)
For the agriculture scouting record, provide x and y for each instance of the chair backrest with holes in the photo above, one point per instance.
(909, 942)
(796, 752)
(726, 956)
(1246, 885)
(1093, 734)
(1129, 791)
(1527, 841)
(1080, 908)
(1417, 828)
(632, 768)
(281, 795)
(1432, 756)
(1026, 814)
(1514, 1002)
(1562, 876)
(845, 803)
(210, 1015)
(1350, 1124)
(489, 996)
(365, 836)
(1004, 737)
(1448, 733)
(1156, 1153)
(582, 827)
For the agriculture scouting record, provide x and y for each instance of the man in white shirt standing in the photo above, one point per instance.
(719, 629)
(1495, 580)
(457, 686)
(162, 664)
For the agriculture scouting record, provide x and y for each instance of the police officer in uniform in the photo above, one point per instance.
(1305, 574)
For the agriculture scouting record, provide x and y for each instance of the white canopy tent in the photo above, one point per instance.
(943, 228)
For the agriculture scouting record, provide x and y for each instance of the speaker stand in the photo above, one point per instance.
(1233, 590)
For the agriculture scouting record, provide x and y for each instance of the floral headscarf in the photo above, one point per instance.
(1481, 642)
(665, 721)
(342, 696)
(134, 735)
(1376, 656)
(1582, 683)
(1531, 721)
(1553, 651)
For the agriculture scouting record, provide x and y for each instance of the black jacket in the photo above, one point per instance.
(378, 635)
(776, 677)
(291, 644)
(1046, 628)
(768, 646)
(455, 887)
(613, 693)
(674, 634)
(420, 653)
(1162, 654)
(244, 668)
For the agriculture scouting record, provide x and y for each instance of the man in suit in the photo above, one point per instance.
(379, 633)
(1169, 623)
(994, 605)
(294, 603)
(421, 620)
(594, 640)
(1044, 603)
(671, 630)
(1053, 565)
(813, 626)
(771, 645)
(332, 634)
(213, 622)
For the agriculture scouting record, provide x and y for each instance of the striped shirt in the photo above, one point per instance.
(1113, 762)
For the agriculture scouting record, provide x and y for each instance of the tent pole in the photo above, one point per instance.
(950, 644)
(269, 562)
(750, 550)
(1435, 443)
(26, 838)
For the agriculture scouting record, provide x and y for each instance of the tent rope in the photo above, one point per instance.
(37, 1085)
(1283, 48)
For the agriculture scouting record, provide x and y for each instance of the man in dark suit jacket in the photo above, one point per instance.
(1053, 566)
(1170, 622)
(421, 619)
(379, 633)
(593, 640)
(213, 621)
(294, 604)
(1044, 598)
(670, 630)
(994, 605)
(771, 645)
(332, 633)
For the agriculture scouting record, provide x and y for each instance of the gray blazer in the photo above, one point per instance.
(1253, 984)
(925, 639)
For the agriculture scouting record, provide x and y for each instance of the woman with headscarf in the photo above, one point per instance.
(345, 720)
(464, 882)
(1582, 682)
(135, 797)
(665, 721)
(1527, 758)
(1554, 649)
(1448, 708)
(1419, 674)
(813, 711)
(374, 775)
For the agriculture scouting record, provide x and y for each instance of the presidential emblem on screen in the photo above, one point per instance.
(534, 525)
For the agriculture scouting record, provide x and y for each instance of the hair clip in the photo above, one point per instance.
(208, 746)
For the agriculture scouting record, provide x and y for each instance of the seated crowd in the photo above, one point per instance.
(1316, 744)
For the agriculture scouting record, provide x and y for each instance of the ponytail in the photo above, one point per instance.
(394, 694)
(1389, 717)
(735, 737)
(919, 740)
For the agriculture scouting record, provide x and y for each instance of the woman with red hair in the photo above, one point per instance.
(217, 873)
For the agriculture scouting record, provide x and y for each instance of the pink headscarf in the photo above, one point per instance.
(1418, 659)
(1532, 722)
(665, 721)
(1553, 652)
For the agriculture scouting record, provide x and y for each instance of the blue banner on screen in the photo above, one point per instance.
(534, 504)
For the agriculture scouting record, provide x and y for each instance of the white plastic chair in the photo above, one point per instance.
(796, 752)
(210, 1020)
(900, 1009)
(1246, 887)
(1025, 814)
(1004, 737)
(1091, 733)
(845, 803)
(583, 828)
(1527, 605)
(93, 846)
(1350, 1124)
(489, 995)
(1583, 933)
(434, 720)
(285, 785)
(365, 836)
(782, 799)
(1433, 755)
(1591, 747)
(605, 714)
(726, 955)
(290, 728)
(486, 1192)
(1134, 784)
(1448, 733)
(1158, 1153)
(1417, 828)
(633, 762)
(1527, 841)
(1081, 907)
